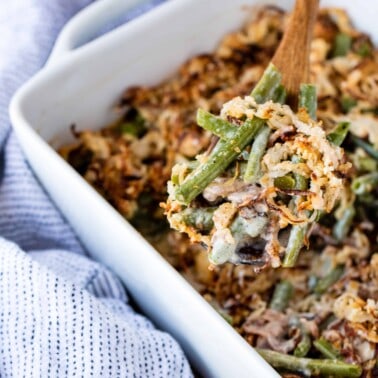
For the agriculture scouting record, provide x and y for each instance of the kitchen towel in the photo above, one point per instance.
(61, 314)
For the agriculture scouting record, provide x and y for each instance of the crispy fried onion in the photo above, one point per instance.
(362, 315)
(272, 329)
(320, 161)
(362, 82)
(173, 209)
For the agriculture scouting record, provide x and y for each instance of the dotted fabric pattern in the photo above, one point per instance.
(61, 314)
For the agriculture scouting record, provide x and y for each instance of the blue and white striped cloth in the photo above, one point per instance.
(61, 315)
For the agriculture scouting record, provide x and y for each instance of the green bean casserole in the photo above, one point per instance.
(296, 200)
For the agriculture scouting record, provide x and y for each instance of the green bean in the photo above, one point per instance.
(129, 128)
(373, 110)
(227, 150)
(308, 99)
(303, 346)
(342, 44)
(189, 167)
(220, 158)
(281, 296)
(175, 179)
(325, 323)
(365, 146)
(347, 103)
(309, 366)
(199, 218)
(364, 49)
(238, 169)
(294, 245)
(326, 349)
(222, 250)
(132, 128)
(286, 182)
(301, 182)
(135, 126)
(329, 279)
(365, 184)
(252, 172)
(339, 133)
(268, 85)
(298, 232)
(251, 227)
(280, 95)
(319, 215)
(218, 126)
(342, 226)
(192, 164)
(364, 163)
(267, 88)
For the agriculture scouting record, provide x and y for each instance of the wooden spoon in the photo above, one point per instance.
(292, 58)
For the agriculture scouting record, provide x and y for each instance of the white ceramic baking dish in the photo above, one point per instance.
(81, 86)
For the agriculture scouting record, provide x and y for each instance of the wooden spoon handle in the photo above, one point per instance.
(292, 55)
